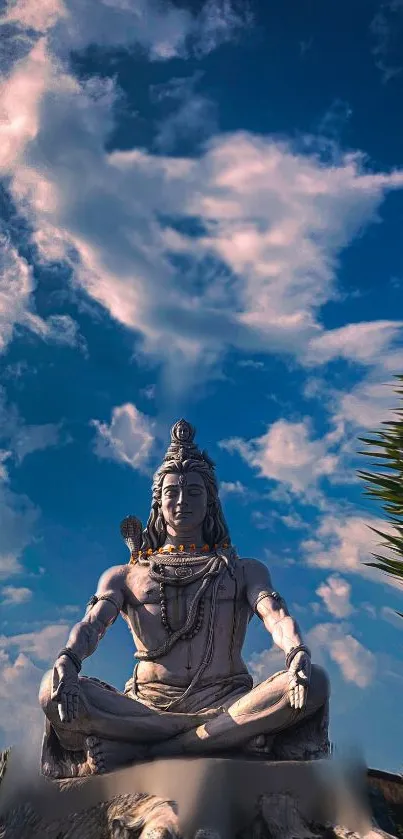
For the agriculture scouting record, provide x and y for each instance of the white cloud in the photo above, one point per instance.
(363, 342)
(264, 664)
(357, 664)
(16, 286)
(17, 518)
(128, 438)
(43, 645)
(14, 595)
(293, 521)
(16, 302)
(369, 402)
(261, 520)
(273, 217)
(22, 439)
(232, 488)
(21, 718)
(18, 515)
(164, 31)
(38, 15)
(287, 454)
(335, 593)
(344, 543)
(32, 438)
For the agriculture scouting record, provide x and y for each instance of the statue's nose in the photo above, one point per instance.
(182, 499)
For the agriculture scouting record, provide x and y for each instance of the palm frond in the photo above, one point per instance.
(387, 489)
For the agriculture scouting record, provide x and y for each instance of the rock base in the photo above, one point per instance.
(229, 799)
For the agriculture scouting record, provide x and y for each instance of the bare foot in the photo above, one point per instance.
(261, 745)
(107, 755)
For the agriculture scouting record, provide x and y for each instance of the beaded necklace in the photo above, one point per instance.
(182, 563)
(177, 556)
(184, 576)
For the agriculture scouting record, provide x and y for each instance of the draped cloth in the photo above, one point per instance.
(205, 697)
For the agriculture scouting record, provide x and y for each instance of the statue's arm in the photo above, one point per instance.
(102, 611)
(270, 606)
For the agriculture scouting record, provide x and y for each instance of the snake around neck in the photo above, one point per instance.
(214, 568)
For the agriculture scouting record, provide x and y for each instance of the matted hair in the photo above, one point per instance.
(215, 530)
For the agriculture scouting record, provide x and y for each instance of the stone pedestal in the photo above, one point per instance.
(188, 799)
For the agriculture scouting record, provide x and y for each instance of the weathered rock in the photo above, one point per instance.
(276, 815)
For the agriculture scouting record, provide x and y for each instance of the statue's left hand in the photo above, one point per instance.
(299, 673)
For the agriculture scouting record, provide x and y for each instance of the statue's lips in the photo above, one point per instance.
(181, 515)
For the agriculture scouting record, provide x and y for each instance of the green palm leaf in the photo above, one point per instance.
(387, 488)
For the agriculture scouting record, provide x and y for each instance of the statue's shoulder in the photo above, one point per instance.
(114, 577)
(254, 570)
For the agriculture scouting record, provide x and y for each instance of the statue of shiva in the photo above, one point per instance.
(187, 598)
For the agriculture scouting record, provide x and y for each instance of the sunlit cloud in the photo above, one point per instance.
(335, 593)
(287, 454)
(128, 438)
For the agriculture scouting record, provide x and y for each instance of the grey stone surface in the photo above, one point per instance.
(287, 810)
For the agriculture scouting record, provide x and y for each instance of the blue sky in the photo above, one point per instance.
(201, 211)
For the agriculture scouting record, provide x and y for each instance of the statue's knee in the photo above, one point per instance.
(45, 691)
(320, 683)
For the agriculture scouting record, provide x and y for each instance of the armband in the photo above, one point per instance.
(95, 599)
(263, 594)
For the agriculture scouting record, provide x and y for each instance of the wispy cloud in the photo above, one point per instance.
(335, 593)
(250, 362)
(18, 516)
(387, 33)
(21, 718)
(363, 342)
(164, 32)
(16, 301)
(15, 595)
(334, 120)
(191, 115)
(22, 439)
(128, 438)
(233, 488)
(356, 662)
(344, 542)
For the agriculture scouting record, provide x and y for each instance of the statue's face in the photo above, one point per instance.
(184, 502)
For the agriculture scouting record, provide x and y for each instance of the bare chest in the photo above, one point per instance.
(143, 590)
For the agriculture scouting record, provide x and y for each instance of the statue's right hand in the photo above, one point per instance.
(66, 689)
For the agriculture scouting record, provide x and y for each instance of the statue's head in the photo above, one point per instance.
(185, 494)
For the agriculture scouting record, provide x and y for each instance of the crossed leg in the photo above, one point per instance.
(114, 729)
(263, 710)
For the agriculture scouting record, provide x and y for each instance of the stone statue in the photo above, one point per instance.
(187, 598)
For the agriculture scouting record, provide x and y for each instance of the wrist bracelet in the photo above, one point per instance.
(302, 648)
(72, 656)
